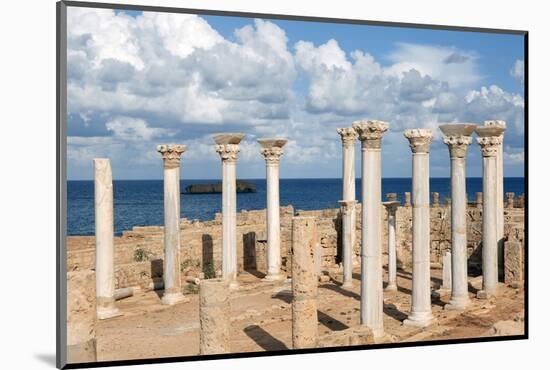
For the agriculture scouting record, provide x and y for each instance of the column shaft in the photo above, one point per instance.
(392, 252)
(273, 222)
(490, 242)
(104, 231)
(421, 310)
(229, 220)
(304, 283)
(371, 251)
(214, 312)
(459, 239)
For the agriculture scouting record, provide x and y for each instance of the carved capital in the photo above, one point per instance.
(489, 145)
(228, 152)
(348, 134)
(496, 123)
(420, 139)
(272, 150)
(458, 145)
(171, 154)
(370, 132)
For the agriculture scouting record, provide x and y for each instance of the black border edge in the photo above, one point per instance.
(165, 9)
(61, 184)
(61, 176)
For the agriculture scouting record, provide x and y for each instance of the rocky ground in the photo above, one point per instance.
(261, 318)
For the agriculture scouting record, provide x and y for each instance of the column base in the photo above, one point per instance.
(275, 277)
(457, 304)
(391, 288)
(108, 312)
(420, 320)
(483, 294)
(347, 284)
(173, 298)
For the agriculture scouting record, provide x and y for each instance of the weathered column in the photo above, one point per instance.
(391, 197)
(479, 199)
(347, 209)
(104, 233)
(372, 315)
(304, 283)
(349, 136)
(81, 316)
(458, 137)
(171, 155)
(391, 208)
(227, 146)
(407, 199)
(447, 277)
(421, 305)
(272, 150)
(510, 200)
(435, 199)
(215, 320)
(489, 140)
(499, 183)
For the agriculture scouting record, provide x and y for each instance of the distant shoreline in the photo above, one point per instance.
(290, 178)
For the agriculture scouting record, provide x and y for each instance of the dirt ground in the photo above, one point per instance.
(261, 318)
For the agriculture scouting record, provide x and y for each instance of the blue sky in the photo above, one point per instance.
(140, 79)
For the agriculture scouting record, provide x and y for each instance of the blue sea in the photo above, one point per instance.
(140, 202)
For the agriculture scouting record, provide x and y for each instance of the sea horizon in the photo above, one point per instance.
(140, 202)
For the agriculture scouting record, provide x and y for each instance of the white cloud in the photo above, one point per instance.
(135, 129)
(518, 70)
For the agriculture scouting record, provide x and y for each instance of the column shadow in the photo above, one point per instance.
(392, 311)
(264, 339)
(330, 322)
(208, 256)
(249, 255)
(339, 289)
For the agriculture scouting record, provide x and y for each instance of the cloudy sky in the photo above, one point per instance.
(139, 79)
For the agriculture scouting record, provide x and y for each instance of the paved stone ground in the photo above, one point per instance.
(261, 318)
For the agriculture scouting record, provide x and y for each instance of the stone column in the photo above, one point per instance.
(347, 209)
(489, 140)
(372, 315)
(479, 199)
(499, 183)
(407, 199)
(304, 283)
(214, 312)
(447, 277)
(435, 199)
(391, 197)
(171, 155)
(510, 200)
(272, 150)
(391, 208)
(458, 137)
(81, 316)
(349, 136)
(227, 146)
(421, 305)
(104, 233)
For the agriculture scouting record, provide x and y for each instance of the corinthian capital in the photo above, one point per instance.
(370, 132)
(420, 139)
(348, 134)
(496, 123)
(171, 154)
(227, 146)
(457, 137)
(489, 139)
(272, 149)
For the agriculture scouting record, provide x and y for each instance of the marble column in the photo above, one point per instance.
(479, 199)
(458, 137)
(214, 316)
(421, 305)
(510, 200)
(171, 155)
(391, 208)
(407, 199)
(347, 209)
(227, 146)
(500, 187)
(370, 133)
(349, 137)
(490, 140)
(272, 150)
(304, 283)
(104, 233)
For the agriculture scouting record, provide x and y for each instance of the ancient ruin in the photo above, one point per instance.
(440, 261)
